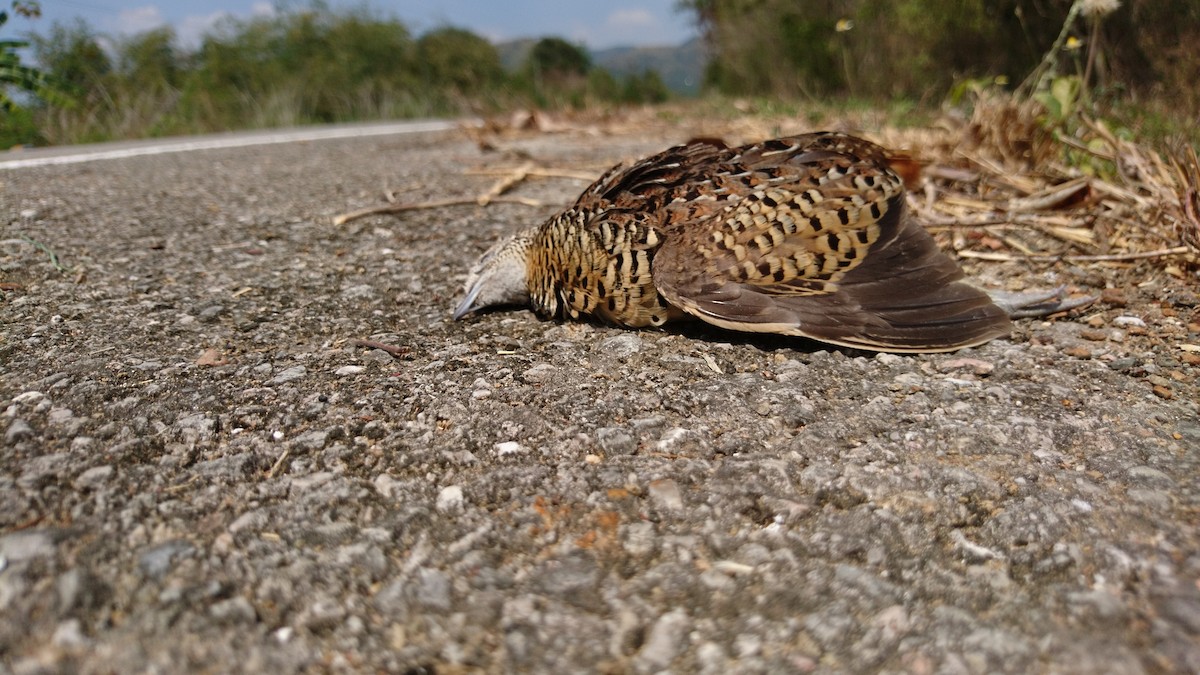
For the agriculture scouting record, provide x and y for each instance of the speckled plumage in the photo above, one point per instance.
(806, 235)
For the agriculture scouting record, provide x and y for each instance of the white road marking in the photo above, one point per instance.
(238, 141)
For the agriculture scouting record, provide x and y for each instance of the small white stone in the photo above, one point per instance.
(665, 493)
(349, 370)
(450, 499)
(28, 397)
(385, 485)
(888, 359)
(1129, 321)
(510, 448)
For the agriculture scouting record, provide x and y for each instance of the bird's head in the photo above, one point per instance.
(498, 278)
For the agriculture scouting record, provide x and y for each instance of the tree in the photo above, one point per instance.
(72, 52)
(554, 60)
(13, 73)
(459, 59)
(150, 60)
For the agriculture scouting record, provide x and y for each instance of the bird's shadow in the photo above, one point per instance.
(767, 342)
(708, 333)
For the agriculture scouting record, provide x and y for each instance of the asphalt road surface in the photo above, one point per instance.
(237, 438)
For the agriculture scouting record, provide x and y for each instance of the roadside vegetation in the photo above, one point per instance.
(300, 66)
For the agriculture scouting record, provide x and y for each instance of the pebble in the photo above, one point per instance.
(1147, 475)
(1126, 321)
(18, 430)
(200, 423)
(679, 440)
(312, 480)
(647, 424)
(542, 372)
(210, 313)
(639, 538)
(665, 494)
(1122, 364)
(615, 441)
(976, 366)
(385, 485)
(1113, 296)
(79, 589)
(233, 610)
(622, 346)
(510, 448)
(60, 416)
(450, 499)
(94, 477)
(26, 545)
(888, 359)
(28, 398)
(667, 639)
(432, 589)
(359, 292)
(314, 439)
(157, 560)
(712, 659)
(69, 635)
(322, 614)
(287, 375)
(349, 370)
(1156, 499)
(250, 520)
(572, 577)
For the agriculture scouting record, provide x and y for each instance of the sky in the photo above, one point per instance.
(597, 25)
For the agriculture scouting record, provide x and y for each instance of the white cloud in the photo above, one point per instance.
(631, 18)
(139, 19)
(262, 9)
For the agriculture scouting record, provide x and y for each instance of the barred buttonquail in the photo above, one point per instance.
(806, 235)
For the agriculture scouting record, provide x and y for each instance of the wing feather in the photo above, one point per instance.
(810, 236)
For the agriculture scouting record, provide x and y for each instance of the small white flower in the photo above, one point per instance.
(1098, 8)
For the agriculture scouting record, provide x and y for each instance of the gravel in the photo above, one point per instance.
(209, 464)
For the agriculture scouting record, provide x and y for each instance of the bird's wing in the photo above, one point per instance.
(810, 236)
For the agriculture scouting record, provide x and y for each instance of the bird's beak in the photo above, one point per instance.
(468, 303)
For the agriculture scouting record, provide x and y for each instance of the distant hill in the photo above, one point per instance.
(681, 67)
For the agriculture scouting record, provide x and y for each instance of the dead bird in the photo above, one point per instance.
(806, 235)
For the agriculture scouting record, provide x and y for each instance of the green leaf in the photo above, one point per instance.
(1065, 91)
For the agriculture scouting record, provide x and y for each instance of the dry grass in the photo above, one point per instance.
(1008, 190)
